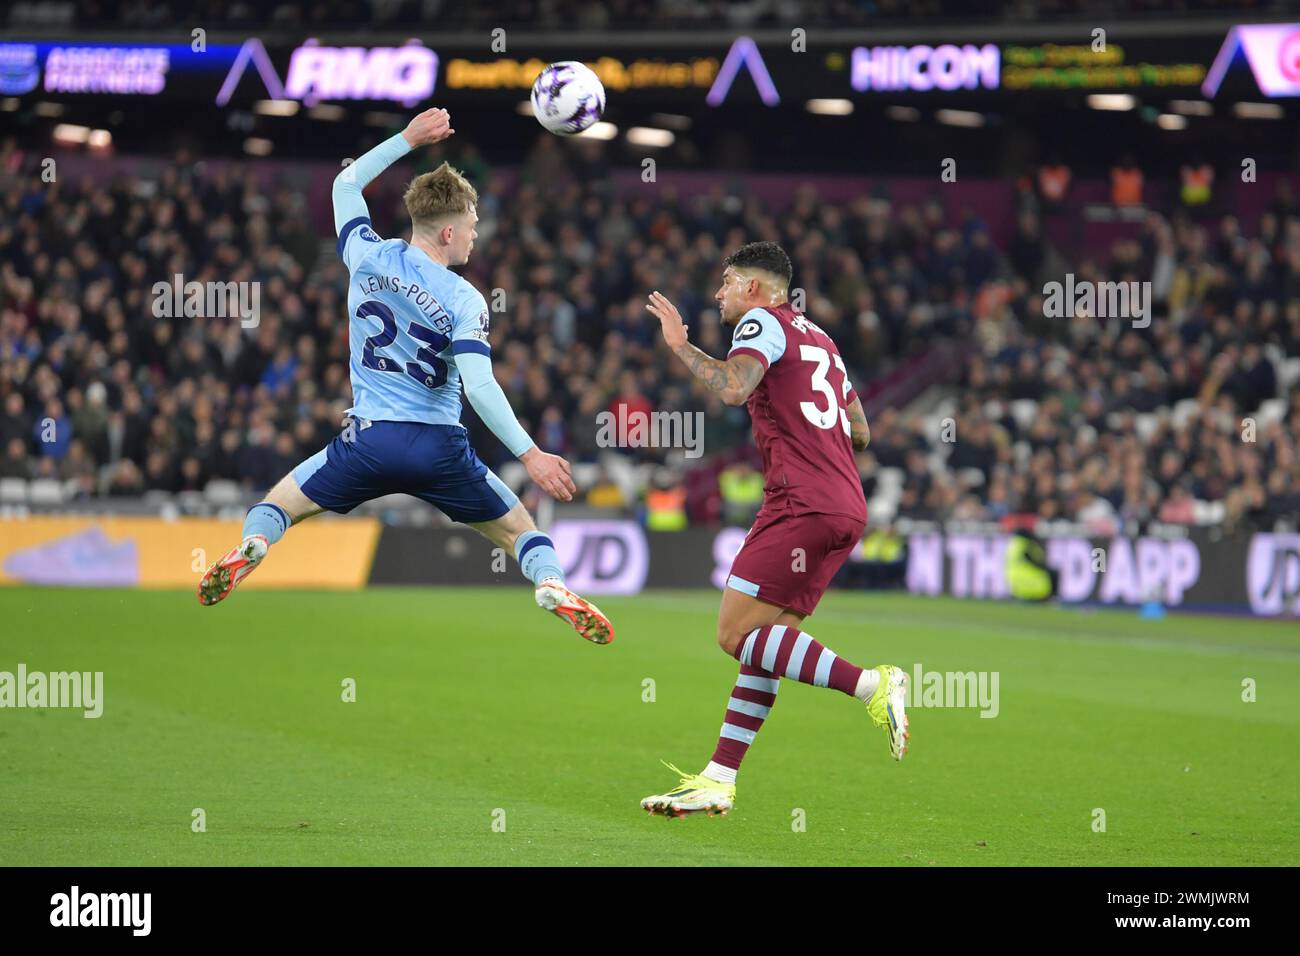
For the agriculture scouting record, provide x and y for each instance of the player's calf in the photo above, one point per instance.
(795, 655)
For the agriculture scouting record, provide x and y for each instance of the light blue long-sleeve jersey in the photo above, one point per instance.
(416, 329)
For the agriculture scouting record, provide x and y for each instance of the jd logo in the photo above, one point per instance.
(1273, 574)
(747, 330)
(603, 557)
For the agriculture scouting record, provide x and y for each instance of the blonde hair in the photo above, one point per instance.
(437, 195)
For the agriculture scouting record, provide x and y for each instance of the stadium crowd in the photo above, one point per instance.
(1066, 418)
(1194, 419)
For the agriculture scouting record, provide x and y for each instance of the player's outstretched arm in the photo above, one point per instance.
(431, 126)
(731, 379)
(551, 472)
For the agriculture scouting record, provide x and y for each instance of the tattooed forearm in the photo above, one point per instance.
(730, 379)
(859, 430)
(710, 371)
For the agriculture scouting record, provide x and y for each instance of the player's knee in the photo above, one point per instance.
(290, 498)
(729, 639)
(517, 521)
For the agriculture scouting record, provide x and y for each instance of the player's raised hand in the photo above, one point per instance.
(670, 320)
(431, 126)
(551, 472)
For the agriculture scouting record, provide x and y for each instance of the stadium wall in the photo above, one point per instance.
(1202, 570)
(142, 552)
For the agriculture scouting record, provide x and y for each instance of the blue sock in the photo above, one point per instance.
(537, 557)
(267, 519)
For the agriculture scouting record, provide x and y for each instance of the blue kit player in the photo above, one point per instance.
(417, 333)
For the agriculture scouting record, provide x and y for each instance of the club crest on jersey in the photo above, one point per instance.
(749, 329)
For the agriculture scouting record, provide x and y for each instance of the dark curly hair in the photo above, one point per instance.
(768, 256)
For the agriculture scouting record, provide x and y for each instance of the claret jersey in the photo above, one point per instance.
(798, 414)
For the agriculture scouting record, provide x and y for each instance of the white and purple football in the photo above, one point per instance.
(567, 97)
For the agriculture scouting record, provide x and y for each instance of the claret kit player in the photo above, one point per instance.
(807, 422)
(418, 331)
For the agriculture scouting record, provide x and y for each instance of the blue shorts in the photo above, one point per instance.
(432, 462)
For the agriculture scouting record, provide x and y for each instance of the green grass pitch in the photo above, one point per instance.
(475, 707)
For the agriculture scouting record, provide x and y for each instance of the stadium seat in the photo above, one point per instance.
(1024, 411)
(1184, 411)
(1146, 424)
(157, 499)
(513, 474)
(1290, 373)
(1270, 412)
(46, 491)
(1216, 512)
(223, 492)
(13, 491)
(190, 501)
(585, 474)
(890, 477)
(881, 510)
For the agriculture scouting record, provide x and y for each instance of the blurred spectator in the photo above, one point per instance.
(1126, 182)
(605, 493)
(1196, 183)
(741, 487)
(15, 462)
(665, 502)
(1053, 184)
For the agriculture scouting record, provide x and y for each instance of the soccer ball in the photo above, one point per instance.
(567, 97)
